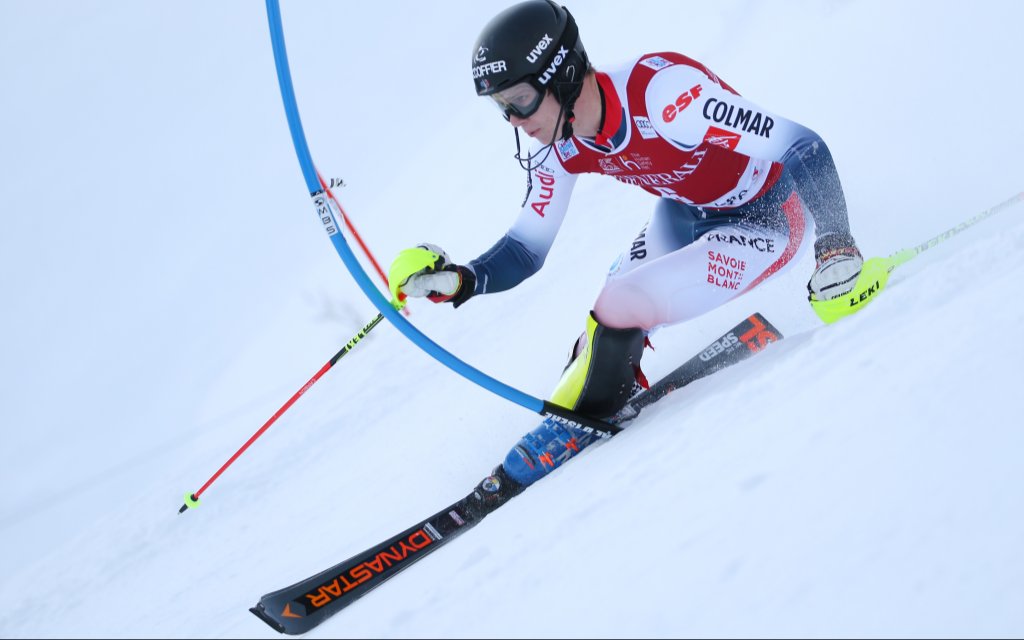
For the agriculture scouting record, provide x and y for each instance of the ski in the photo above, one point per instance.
(750, 336)
(304, 605)
(297, 609)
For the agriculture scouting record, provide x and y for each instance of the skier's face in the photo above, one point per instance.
(543, 125)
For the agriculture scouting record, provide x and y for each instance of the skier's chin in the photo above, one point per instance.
(540, 134)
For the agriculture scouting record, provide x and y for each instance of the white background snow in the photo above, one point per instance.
(166, 287)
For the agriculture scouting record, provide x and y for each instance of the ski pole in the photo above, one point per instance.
(874, 274)
(355, 234)
(906, 255)
(192, 499)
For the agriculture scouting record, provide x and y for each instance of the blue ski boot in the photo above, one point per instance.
(601, 376)
(543, 450)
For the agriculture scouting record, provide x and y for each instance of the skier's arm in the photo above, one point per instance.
(427, 271)
(520, 253)
(718, 113)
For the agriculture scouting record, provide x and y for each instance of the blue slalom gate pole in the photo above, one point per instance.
(384, 306)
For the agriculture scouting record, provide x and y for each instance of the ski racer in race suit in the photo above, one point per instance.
(741, 192)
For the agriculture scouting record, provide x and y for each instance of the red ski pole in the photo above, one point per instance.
(192, 499)
(359, 239)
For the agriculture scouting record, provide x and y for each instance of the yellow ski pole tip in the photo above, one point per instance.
(191, 502)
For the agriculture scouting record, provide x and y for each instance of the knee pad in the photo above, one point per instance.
(602, 370)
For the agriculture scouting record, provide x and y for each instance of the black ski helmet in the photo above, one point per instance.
(536, 41)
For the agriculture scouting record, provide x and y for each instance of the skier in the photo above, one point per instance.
(741, 193)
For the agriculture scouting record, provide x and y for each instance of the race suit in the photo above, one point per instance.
(741, 191)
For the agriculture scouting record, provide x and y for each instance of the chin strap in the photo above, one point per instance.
(570, 117)
(568, 105)
(566, 117)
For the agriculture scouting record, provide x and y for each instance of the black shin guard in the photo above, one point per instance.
(599, 378)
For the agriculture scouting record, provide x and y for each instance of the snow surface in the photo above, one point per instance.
(167, 286)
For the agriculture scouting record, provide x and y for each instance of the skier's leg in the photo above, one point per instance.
(598, 380)
(681, 265)
(602, 370)
(725, 261)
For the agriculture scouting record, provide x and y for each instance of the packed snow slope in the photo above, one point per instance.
(167, 286)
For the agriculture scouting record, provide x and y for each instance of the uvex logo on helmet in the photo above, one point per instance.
(555, 63)
(539, 49)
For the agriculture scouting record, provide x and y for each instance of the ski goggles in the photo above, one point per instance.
(521, 100)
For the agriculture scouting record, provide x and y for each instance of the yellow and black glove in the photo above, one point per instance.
(425, 271)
